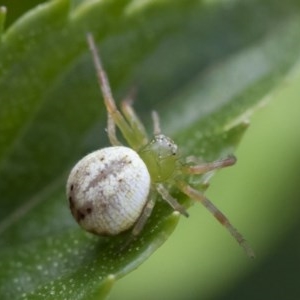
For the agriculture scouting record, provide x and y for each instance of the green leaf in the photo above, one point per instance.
(203, 65)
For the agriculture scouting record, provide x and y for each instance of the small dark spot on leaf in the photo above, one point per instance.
(72, 187)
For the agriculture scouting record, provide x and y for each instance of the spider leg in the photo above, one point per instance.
(196, 195)
(169, 199)
(115, 116)
(134, 121)
(111, 131)
(206, 167)
(139, 225)
(156, 123)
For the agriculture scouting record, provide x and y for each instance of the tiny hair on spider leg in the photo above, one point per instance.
(113, 189)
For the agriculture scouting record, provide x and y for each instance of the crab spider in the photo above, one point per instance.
(114, 189)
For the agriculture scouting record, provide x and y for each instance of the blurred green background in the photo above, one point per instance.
(267, 173)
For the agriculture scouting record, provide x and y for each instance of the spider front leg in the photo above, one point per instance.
(202, 168)
(134, 121)
(196, 195)
(156, 123)
(115, 117)
(111, 131)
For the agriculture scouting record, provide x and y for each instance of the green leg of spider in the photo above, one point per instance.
(116, 116)
(196, 195)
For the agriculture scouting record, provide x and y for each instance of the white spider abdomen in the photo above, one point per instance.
(108, 189)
